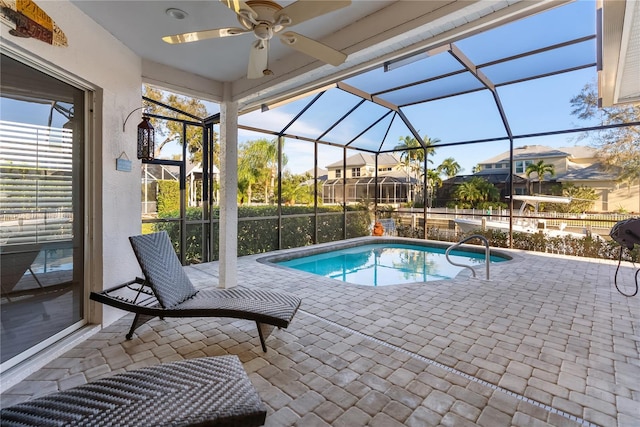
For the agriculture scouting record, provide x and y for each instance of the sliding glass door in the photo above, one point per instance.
(41, 209)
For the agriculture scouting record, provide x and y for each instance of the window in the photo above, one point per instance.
(355, 172)
(521, 165)
(384, 169)
(338, 173)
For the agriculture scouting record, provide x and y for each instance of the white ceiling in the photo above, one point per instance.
(369, 31)
(140, 25)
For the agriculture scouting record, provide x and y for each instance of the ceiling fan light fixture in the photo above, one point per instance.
(176, 13)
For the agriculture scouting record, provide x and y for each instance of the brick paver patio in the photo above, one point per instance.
(548, 341)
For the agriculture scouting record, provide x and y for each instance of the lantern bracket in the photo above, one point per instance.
(125, 120)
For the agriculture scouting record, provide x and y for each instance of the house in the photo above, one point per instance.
(364, 165)
(395, 184)
(194, 178)
(564, 160)
(577, 165)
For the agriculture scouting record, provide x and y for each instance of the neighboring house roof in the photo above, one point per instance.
(322, 173)
(396, 173)
(193, 168)
(580, 152)
(363, 159)
(594, 172)
(542, 151)
(371, 180)
(492, 177)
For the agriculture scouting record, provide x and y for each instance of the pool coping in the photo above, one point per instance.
(274, 259)
(293, 253)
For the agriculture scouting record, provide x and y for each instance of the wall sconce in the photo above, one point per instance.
(146, 136)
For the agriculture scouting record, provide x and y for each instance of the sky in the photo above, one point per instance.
(539, 105)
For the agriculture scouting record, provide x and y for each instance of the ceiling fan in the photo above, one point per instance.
(266, 18)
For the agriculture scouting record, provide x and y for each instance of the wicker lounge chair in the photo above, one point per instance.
(211, 391)
(166, 291)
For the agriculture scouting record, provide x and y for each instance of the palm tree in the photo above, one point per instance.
(477, 190)
(433, 183)
(411, 151)
(488, 191)
(258, 163)
(248, 175)
(413, 156)
(467, 192)
(449, 167)
(540, 169)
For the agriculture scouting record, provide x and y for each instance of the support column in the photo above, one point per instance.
(228, 247)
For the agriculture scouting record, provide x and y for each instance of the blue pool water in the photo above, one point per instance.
(387, 264)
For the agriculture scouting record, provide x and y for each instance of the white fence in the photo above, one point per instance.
(601, 222)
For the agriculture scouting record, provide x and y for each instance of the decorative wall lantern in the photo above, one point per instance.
(146, 136)
(146, 139)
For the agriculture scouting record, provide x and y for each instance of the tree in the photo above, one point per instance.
(171, 131)
(488, 191)
(449, 167)
(540, 169)
(582, 199)
(433, 183)
(619, 147)
(467, 192)
(412, 154)
(258, 164)
(475, 191)
(297, 189)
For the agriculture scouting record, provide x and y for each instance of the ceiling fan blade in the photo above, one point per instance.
(203, 35)
(242, 9)
(313, 48)
(258, 59)
(302, 10)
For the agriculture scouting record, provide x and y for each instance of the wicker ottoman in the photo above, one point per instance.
(212, 391)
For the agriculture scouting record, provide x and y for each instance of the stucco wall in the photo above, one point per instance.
(97, 60)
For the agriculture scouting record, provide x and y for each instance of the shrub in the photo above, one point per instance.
(261, 234)
(587, 246)
(168, 197)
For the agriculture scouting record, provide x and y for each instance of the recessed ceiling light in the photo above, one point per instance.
(176, 13)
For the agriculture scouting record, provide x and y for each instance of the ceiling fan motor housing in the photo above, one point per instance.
(263, 31)
(265, 11)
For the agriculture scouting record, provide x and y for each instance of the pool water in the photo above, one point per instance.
(388, 264)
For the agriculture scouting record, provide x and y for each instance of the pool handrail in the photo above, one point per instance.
(487, 255)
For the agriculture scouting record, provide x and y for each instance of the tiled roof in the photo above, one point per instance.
(493, 178)
(594, 172)
(363, 159)
(542, 151)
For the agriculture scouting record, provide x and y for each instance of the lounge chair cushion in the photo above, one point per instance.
(162, 268)
(212, 391)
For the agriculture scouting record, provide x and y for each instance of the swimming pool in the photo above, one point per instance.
(388, 263)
